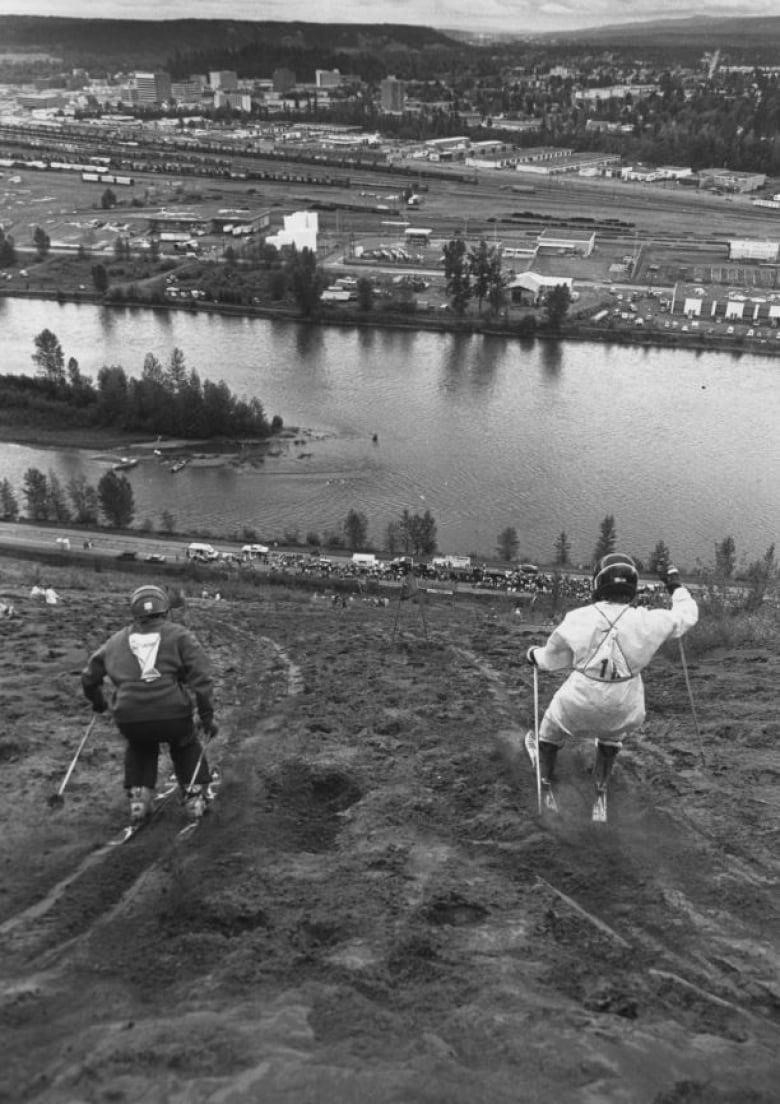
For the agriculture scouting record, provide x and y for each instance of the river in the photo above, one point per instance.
(485, 432)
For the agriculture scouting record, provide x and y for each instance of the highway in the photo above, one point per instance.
(32, 538)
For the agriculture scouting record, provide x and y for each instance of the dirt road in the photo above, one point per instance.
(373, 911)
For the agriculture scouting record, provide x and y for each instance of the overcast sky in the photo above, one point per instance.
(513, 16)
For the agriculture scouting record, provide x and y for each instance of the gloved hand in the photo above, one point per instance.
(99, 703)
(670, 578)
(530, 658)
(209, 726)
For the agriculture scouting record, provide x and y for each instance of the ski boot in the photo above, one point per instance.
(599, 814)
(530, 746)
(547, 753)
(141, 798)
(196, 802)
(548, 797)
(605, 760)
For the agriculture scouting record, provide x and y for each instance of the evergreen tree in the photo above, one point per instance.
(497, 283)
(50, 358)
(394, 538)
(84, 500)
(365, 294)
(41, 241)
(56, 503)
(762, 576)
(556, 305)
(193, 418)
(7, 250)
(116, 499)
(456, 275)
(607, 538)
(355, 530)
(562, 549)
(508, 543)
(36, 493)
(168, 522)
(176, 376)
(418, 533)
(100, 278)
(725, 557)
(479, 267)
(306, 280)
(9, 506)
(112, 395)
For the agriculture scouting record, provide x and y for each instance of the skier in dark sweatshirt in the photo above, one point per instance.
(156, 668)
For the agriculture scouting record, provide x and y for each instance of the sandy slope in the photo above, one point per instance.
(373, 912)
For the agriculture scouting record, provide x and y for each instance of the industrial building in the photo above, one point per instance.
(561, 242)
(729, 180)
(738, 306)
(745, 249)
(531, 287)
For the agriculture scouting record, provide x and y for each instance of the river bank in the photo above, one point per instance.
(105, 441)
(346, 316)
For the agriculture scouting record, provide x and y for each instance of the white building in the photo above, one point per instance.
(745, 249)
(327, 78)
(535, 285)
(300, 230)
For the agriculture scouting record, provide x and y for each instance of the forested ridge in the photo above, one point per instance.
(251, 48)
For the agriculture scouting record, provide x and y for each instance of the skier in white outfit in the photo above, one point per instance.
(606, 645)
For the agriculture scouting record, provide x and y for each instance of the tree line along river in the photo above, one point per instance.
(485, 432)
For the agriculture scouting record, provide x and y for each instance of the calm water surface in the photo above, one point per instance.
(484, 432)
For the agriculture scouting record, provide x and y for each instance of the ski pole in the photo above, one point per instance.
(56, 799)
(536, 737)
(206, 743)
(693, 704)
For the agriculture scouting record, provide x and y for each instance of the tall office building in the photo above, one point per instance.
(327, 78)
(152, 88)
(224, 79)
(393, 95)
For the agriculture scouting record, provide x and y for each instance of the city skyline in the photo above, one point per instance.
(492, 16)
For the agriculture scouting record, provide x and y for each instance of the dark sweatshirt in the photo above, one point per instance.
(152, 667)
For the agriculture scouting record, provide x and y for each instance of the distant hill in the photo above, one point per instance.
(736, 33)
(131, 43)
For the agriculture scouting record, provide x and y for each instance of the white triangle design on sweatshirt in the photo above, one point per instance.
(144, 647)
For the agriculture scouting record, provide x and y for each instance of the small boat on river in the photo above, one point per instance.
(125, 464)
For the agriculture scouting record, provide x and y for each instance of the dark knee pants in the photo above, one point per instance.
(143, 750)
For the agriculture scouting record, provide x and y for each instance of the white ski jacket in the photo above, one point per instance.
(607, 645)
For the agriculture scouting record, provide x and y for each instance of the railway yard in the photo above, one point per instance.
(647, 238)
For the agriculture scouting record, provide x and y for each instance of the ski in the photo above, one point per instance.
(599, 815)
(132, 830)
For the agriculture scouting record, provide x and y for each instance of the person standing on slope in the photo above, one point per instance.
(156, 667)
(606, 645)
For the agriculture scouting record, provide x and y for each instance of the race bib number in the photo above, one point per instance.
(608, 663)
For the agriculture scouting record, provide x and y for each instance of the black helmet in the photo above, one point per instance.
(615, 576)
(149, 601)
